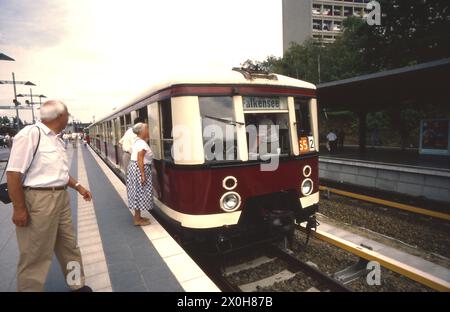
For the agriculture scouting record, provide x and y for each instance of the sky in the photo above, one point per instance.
(96, 55)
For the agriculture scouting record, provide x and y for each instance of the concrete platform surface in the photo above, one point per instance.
(117, 255)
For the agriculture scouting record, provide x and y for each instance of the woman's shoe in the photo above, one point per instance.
(142, 222)
(83, 289)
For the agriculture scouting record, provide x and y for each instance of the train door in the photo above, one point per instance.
(97, 138)
(116, 138)
(155, 145)
(165, 113)
(166, 129)
(108, 140)
(123, 128)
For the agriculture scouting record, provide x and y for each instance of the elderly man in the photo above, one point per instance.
(38, 177)
(126, 142)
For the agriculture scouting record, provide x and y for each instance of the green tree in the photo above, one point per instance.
(411, 32)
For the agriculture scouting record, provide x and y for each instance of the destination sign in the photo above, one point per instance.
(264, 103)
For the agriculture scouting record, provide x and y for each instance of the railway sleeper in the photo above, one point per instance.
(353, 272)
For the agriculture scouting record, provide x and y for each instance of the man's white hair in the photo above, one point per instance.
(139, 127)
(52, 109)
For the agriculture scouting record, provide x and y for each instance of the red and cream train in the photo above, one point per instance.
(224, 196)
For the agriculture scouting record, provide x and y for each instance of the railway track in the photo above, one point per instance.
(288, 267)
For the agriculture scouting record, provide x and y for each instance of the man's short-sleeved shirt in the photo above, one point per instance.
(50, 167)
(127, 140)
(331, 137)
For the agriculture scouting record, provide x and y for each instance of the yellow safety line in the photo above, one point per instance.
(389, 203)
(389, 263)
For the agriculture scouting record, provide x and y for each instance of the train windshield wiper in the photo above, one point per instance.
(231, 122)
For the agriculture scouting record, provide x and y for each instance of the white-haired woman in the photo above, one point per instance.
(139, 176)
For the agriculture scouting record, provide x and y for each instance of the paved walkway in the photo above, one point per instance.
(117, 256)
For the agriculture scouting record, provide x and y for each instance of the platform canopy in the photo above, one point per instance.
(406, 86)
(4, 57)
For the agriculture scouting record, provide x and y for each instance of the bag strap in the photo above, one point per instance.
(35, 151)
(34, 154)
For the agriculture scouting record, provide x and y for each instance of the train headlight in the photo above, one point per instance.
(230, 201)
(307, 187)
(307, 171)
(229, 183)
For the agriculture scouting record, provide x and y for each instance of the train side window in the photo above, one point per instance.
(116, 130)
(303, 116)
(122, 126)
(128, 122)
(102, 132)
(217, 115)
(166, 128)
(109, 131)
(143, 114)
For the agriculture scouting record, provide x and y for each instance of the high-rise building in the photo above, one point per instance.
(319, 19)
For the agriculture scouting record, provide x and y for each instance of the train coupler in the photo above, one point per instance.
(223, 244)
(311, 225)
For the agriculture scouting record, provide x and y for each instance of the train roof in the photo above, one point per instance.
(237, 76)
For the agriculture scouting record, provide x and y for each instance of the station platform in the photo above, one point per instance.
(389, 170)
(390, 155)
(117, 256)
(390, 248)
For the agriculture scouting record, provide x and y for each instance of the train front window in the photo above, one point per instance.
(267, 126)
(303, 116)
(219, 128)
(267, 133)
(303, 122)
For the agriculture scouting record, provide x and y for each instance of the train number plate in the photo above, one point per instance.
(306, 144)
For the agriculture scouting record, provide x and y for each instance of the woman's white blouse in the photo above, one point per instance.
(140, 145)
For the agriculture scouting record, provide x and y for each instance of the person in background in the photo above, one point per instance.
(126, 142)
(332, 141)
(8, 140)
(74, 139)
(65, 138)
(139, 177)
(37, 186)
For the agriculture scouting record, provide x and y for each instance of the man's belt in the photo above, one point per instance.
(50, 188)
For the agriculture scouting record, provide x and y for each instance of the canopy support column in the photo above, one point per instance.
(362, 123)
